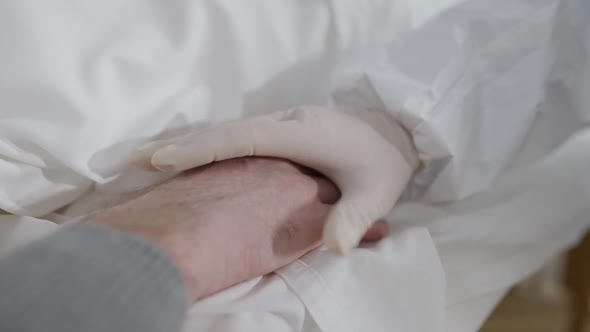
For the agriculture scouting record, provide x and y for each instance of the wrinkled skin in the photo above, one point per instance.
(233, 220)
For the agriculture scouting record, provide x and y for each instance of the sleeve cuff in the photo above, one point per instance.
(86, 275)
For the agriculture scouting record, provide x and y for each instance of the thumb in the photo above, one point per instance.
(350, 219)
(377, 232)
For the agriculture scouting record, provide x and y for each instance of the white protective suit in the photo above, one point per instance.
(487, 88)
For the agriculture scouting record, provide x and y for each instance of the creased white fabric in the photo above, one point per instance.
(336, 294)
(132, 70)
(488, 88)
(457, 82)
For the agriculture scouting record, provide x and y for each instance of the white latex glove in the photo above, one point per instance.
(368, 155)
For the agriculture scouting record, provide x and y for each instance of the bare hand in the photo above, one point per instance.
(231, 221)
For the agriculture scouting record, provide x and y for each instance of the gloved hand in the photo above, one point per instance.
(368, 155)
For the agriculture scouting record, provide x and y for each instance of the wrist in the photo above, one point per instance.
(188, 255)
(396, 134)
(185, 251)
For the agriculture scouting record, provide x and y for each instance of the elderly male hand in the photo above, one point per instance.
(233, 220)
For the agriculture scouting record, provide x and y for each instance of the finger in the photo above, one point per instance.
(365, 199)
(377, 232)
(350, 219)
(228, 140)
(328, 193)
(142, 156)
(279, 135)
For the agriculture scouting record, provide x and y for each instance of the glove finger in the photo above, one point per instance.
(349, 220)
(142, 156)
(263, 137)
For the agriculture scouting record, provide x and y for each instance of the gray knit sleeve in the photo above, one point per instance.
(88, 278)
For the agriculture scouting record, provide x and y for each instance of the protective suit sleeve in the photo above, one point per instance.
(466, 85)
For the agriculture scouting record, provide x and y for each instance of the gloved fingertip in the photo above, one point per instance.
(340, 237)
(163, 159)
(339, 250)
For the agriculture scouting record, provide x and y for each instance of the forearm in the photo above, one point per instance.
(90, 278)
